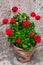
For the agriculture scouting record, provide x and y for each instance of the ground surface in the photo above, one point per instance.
(7, 56)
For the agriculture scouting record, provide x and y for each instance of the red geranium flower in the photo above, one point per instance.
(38, 39)
(15, 9)
(31, 34)
(18, 40)
(37, 17)
(9, 32)
(12, 20)
(25, 23)
(32, 14)
(5, 21)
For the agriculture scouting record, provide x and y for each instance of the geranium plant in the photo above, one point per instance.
(22, 32)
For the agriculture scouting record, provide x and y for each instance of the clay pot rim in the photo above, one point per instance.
(21, 48)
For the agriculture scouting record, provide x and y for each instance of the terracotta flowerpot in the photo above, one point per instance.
(22, 55)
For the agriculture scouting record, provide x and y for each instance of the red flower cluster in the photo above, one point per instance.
(18, 40)
(9, 32)
(12, 20)
(33, 14)
(25, 23)
(15, 9)
(5, 21)
(38, 39)
(37, 17)
(31, 34)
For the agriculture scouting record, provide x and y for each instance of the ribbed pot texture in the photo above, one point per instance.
(23, 56)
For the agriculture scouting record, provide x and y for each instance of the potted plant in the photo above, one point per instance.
(22, 35)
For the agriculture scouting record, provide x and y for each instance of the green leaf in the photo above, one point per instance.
(25, 15)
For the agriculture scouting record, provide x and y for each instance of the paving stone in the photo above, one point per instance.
(5, 62)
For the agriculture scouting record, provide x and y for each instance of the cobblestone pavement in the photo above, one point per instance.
(7, 55)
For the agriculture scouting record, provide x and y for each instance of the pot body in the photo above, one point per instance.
(22, 55)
